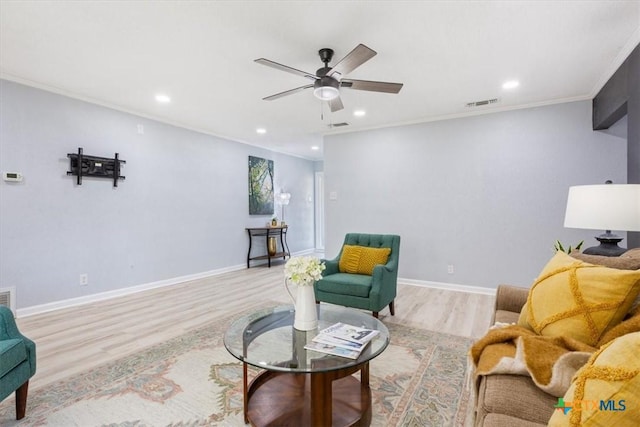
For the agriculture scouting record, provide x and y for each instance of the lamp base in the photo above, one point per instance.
(608, 246)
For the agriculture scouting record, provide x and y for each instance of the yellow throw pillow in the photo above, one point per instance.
(349, 259)
(371, 257)
(605, 390)
(580, 300)
(362, 259)
(522, 318)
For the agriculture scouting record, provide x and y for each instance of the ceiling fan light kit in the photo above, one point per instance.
(326, 88)
(329, 80)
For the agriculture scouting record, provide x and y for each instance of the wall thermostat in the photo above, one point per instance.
(12, 176)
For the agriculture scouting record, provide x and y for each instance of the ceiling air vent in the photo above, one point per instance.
(338, 125)
(481, 103)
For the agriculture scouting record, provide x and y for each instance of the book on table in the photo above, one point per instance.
(343, 340)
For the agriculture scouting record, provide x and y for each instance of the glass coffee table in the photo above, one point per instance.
(299, 387)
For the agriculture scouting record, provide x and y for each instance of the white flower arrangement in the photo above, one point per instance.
(303, 271)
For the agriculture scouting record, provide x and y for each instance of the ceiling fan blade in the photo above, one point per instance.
(335, 104)
(372, 86)
(287, 92)
(286, 68)
(353, 60)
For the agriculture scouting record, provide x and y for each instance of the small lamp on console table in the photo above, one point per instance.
(604, 207)
(283, 199)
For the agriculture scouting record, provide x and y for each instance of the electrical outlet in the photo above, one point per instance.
(84, 279)
(450, 268)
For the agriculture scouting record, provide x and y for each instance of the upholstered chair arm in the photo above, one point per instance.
(511, 298)
(384, 279)
(331, 266)
(8, 328)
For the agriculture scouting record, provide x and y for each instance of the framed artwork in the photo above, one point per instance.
(260, 186)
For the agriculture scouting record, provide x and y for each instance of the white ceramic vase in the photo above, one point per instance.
(306, 316)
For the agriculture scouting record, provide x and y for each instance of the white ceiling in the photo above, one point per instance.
(447, 53)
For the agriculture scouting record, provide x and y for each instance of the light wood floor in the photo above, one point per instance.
(76, 339)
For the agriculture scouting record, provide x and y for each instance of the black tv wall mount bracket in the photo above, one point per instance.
(99, 167)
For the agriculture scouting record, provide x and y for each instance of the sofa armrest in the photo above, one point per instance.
(511, 298)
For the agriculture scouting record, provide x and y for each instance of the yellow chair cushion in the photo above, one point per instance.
(605, 390)
(580, 300)
(362, 259)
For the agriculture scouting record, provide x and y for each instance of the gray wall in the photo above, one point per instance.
(182, 209)
(485, 194)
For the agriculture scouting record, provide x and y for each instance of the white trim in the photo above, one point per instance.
(57, 305)
(72, 302)
(449, 286)
(319, 210)
(480, 111)
(305, 252)
(70, 94)
(617, 62)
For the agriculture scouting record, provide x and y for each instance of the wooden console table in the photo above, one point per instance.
(267, 232)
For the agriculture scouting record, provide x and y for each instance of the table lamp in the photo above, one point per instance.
(604, 207)
(283, 199)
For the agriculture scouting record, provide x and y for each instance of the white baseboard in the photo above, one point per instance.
(57, 305)
(72, 302)
(448, 286)
(305, 252)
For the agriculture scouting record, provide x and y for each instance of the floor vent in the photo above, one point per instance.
(481, 103)
(8, 298)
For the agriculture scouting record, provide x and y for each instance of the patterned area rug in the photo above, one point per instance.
(419, 380)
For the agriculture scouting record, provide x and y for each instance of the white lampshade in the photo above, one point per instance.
(283, 198)
(604, 207)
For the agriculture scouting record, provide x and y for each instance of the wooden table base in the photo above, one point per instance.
(332, 398)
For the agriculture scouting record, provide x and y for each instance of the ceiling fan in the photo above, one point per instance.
(327, 81)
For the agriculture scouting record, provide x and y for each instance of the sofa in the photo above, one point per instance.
(515, 400)
(511, 400)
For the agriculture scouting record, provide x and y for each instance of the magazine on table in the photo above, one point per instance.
(342, 340)
(350, 333)
(338, 342)
(332, 349)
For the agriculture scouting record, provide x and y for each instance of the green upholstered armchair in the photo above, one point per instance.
(362, 291)
(17, 361)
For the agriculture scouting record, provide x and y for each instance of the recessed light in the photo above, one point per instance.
(261, 131)
(163, 99)
(315, 147)
(511, 84)
(359, 113)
